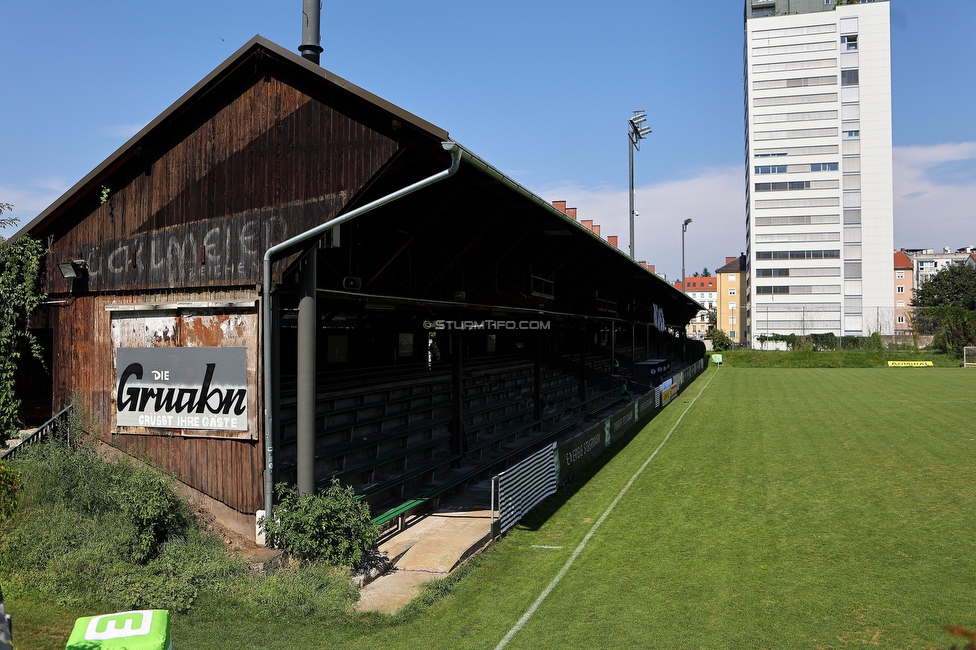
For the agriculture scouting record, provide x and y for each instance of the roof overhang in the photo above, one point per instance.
(256, 47)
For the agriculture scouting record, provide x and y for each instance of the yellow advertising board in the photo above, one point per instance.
(909, 364)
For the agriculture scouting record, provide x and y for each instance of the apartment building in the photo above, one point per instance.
(926, 262)
(703, 289)
(904, 292)
(818, 168)
(730, 304)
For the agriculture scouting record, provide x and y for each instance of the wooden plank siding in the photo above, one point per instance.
(270, 164)
(191, 222)
(226, 469)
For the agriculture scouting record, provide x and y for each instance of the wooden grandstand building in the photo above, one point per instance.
(286, 278)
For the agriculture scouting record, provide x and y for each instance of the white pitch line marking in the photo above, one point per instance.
(543, 546)
(579, 549)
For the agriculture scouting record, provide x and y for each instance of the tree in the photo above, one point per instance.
(720, 340)
(946, 304)
(705, 272)
(953, 286)
(21, 291)
(6, 222)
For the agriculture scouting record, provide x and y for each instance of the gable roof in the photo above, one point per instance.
(902, 261)
(736, 265)
(263, 50)
(476, 182)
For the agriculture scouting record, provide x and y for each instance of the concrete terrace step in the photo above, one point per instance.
(429, 548)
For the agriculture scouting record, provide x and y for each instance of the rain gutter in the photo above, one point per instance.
(281, 250)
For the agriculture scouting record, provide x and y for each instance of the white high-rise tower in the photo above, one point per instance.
(818, 167)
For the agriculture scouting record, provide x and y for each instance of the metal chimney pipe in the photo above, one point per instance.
(311, 34)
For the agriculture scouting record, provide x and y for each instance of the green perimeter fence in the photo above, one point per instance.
(519, 489)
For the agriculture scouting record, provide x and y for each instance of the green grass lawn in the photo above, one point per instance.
(792, 508)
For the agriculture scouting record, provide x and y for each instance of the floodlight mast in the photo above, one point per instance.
(684, 229)
(635, 134)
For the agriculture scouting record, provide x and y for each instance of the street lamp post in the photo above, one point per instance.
(635, 134)
(684, 229)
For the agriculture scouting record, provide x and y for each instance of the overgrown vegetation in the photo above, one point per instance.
(332, 525)
(299, 590)
(113, 535)
(21, 291)
(9, 484)
(954, 328)
(829, 341)
(91, 530)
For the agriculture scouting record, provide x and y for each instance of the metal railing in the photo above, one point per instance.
(521, 488)
(59, 421)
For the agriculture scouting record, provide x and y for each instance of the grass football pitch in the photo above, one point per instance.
(789, 508)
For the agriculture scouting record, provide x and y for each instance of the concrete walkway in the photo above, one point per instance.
(429, 548)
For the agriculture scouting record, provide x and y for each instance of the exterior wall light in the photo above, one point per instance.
(74, 270)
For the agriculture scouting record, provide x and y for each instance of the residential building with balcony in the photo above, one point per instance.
(926, 262)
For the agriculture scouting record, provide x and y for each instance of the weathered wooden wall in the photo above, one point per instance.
(229, 470)
(232, 327)
(268, 165)
(192, 225)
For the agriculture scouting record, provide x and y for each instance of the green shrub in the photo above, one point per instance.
(87, 529)
(21, 291)
(876, 343)
(147, 501)
(84, 482)
(956, 328)
(331, 525)
(826, 341)
(9, 483)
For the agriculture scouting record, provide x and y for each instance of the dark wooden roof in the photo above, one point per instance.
(259, 51)
(736, 265)
(480, 233)
(269, 145)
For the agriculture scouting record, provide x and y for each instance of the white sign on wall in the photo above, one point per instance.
(182, 388)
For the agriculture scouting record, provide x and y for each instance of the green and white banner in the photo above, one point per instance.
(146, 629)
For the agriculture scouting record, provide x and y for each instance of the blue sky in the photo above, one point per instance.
(542, 90)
